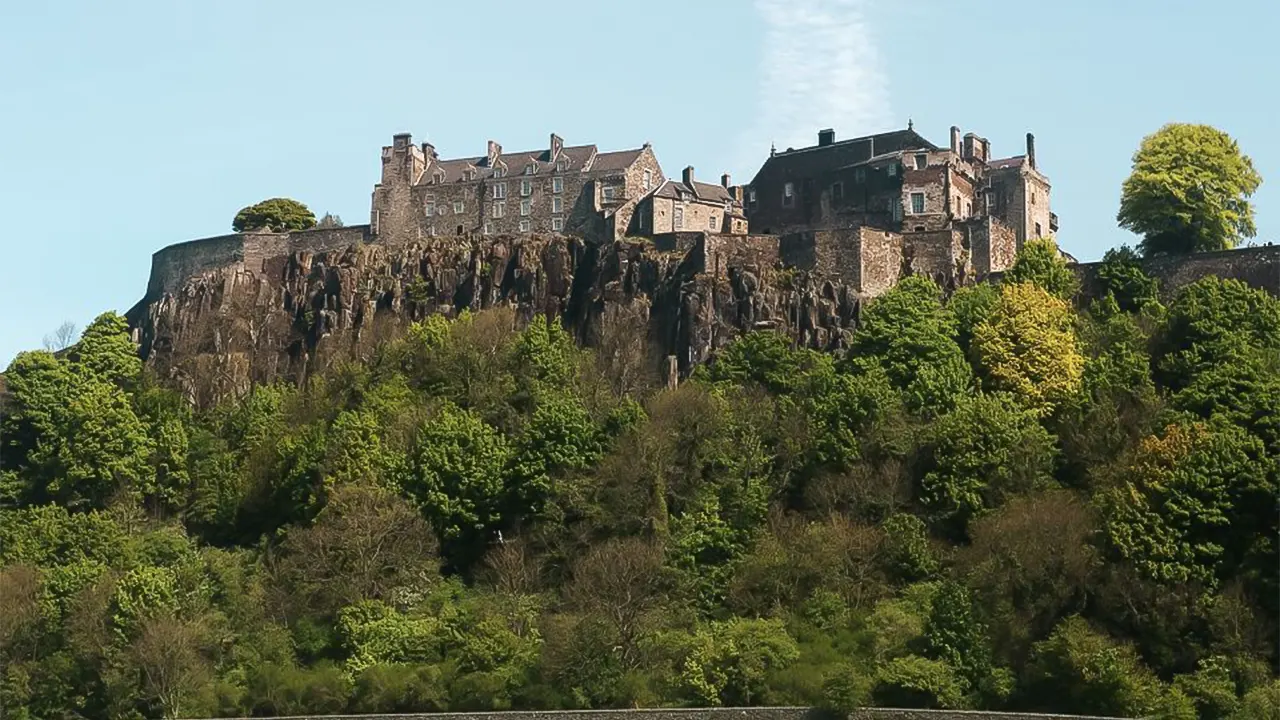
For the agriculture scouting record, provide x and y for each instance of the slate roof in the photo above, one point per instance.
(705, 192)
(1003, 163)
(819, 159)
(516, 162)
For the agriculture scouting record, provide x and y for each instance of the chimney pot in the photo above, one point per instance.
(688, 176)
(955, 139)
(826, 137)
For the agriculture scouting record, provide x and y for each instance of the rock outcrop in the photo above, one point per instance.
(231, 326)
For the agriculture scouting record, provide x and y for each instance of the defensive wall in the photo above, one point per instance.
(752, 713)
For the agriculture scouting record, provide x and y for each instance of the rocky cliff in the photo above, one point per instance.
(233, 325)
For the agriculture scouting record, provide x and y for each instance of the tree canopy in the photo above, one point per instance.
(996, 501)
(1189, 191)
(276, 215)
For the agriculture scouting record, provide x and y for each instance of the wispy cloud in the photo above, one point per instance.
(819, 68)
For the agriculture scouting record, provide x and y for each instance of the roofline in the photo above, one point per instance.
(850, 141)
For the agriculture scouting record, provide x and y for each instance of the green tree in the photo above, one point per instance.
(276, 215)
(1189, 191)
(1041, 264)
(916, 682)
(1078, 670)
(977, 456)
(909, 335)
(456, 474)
(1028, 347)
(1121, 275)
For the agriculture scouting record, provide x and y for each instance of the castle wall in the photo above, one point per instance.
(881, 252)
(931, 182)
(933, 254)
(1257, 267)
(171, 266)
(740, 251)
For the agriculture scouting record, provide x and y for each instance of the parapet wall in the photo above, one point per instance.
(172, 266)
(750, 713)
(1257, 267)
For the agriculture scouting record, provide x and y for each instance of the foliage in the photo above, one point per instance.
(275, 215)
(1040, 263)
(1028, 347)
(911, 337)
(1189, 191)
(1122, 277)
(481, 515)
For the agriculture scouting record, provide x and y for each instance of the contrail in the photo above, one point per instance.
(819, 68)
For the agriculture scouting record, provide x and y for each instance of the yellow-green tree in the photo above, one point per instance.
(1028, 347)
(1189, 191)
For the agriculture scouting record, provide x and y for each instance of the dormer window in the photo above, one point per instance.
(893, 169)
(922, 161)
(788, 195)
(530, 169)
(469, 174)
(562, 165)
(499, 171)
(439, 178)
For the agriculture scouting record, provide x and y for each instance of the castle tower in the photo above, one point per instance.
(402, 165)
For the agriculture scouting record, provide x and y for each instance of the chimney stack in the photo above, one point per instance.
(429, 150)
(826, 137)
(1031, 150)
(401, 140)
(724, 180)
(955, 139)
(688, 176)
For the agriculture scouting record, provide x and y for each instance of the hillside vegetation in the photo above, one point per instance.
(1004, 499)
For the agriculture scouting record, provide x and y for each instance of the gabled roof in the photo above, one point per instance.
(516, 162)
(614, 161)
(704, 192)
(819, 159)
(1013, 162)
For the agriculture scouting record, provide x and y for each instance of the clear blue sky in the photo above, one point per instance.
(126, 126)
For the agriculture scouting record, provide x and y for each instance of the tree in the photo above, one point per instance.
(1040, 263)
(275, 215)
(171, 655)
(1121, 276)
(977, 456)
(912, 337)
(1189, 191)
(1079, 670)
(61, 338)
(330, 221)
(1028, 347)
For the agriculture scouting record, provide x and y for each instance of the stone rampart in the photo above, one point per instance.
(1257, 267)
(750, 713)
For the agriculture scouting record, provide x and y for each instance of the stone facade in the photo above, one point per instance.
(960, 212)
(574, 190)
(686, 205)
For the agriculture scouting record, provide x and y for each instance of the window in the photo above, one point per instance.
(557, 223)
(837, 191)
(487, 229)
(557, 204)
(431, 231)
(499, 209)
(751, 195)
(524, 226)
(439, 178)
(728, 206)
(920, 228)
(431, 208)
(648, 179)
(860, 175)
(499, 191)
(917, 203)
(1037, 229)
(557, 185)
(712, 224)
(562, 165)
(788, 195)
(892, 169)
(530, 169)
(608, 192)
(991, 202)
(499, 171)
(469, 174)
(968, 209)
(1033, 197)
(526, 188)
(643, 220)
(524, 207)
(922, 161)
(459, 207)
(677, 221)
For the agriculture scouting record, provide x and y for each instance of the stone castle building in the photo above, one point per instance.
(562, 189)
(874, 207)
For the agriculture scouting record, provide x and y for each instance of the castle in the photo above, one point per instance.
(868, 209)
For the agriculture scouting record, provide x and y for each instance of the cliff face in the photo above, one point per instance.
(230, 326)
